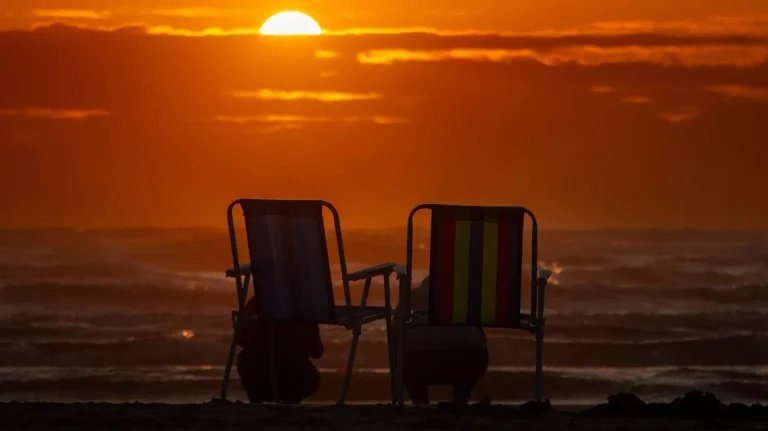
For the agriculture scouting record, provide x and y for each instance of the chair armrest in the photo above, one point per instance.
(383, 269)
(245, 269)
(400, 270)
(541, 286)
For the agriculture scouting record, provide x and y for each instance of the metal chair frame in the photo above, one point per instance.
(354, 318)
(535, 320)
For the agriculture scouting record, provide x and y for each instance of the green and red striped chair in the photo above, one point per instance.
(476, 274)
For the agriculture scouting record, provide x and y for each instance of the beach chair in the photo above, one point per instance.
(290, 271)
(475, 271)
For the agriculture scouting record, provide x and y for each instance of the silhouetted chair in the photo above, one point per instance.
(475, 271)
(290, 270)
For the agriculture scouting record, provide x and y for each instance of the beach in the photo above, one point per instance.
(692, 412)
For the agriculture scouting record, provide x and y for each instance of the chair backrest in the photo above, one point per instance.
(289, 259)
(476, 261)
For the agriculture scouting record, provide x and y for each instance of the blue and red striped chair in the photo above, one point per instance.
(291, 276)
(476, 274)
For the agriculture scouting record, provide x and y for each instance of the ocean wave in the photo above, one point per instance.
(131, 296)
(563, 385)
(668, 302)
(185, 347)
(101, 324)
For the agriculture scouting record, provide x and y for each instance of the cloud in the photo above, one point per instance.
(273, 123)
(602, 89)
(748, 25)
(208, 31)
(555, 48)
(751, 25)
(71, 13)
(637, 100)
(755, 24)
(708, 55)
(198, 12)
(586, 55)
(302, 119)
(294, 95)
(682, 115)
(358, 31)
(736, 91)
(55, 114)
(390, 56)
(632, 99)
(326, 54)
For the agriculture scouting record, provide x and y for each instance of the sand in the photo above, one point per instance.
(622, 413)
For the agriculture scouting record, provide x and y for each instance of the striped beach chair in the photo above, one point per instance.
(476, 274)
(290, 271)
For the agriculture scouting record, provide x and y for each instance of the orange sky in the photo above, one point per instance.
(628, 114)
(486, 15)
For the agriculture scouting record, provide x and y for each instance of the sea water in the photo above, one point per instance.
(144, 314)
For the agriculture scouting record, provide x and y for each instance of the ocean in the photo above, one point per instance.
(144, 315)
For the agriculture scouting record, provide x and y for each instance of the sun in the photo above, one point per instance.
(290, 23)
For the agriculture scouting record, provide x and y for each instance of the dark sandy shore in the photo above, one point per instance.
(623, 412)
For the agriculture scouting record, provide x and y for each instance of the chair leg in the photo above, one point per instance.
(539, 352)
(392, 359)
(230, 355)
(400, 363)
(228, 367)
(350, 364)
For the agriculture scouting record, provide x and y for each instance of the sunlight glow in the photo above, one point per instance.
(290, 23)
(185, 334)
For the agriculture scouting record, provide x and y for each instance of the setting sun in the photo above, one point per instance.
(290, 23)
